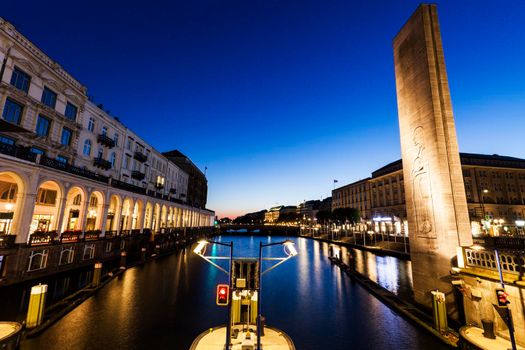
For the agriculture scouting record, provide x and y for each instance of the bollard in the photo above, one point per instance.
(439, 308)
(123, 260)
(97, 274)
(143, 254)
(37, 304)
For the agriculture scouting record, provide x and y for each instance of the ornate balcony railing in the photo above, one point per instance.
(18, 152)
(91, 235)
(137, 175)
(55, 164)
(106, 141)
(502, 242)
(102, 163)
(127, 187)
(141, 157)
(173, 190)
(511, 262)
(7, 241)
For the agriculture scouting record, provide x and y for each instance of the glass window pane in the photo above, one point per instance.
(42, 126)
(66, 136)
(12, 111)
(20, 80)
(49, 98)
(71, 111)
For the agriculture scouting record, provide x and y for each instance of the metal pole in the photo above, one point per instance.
(259, 299)
(228, 328)
(509, 314)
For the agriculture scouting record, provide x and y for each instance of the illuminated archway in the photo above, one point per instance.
(46, 210)
(95, 211)
(12, 188)
(113, 213)
(73, 212)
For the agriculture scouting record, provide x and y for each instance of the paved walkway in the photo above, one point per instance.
(474, 335)
(273, 339)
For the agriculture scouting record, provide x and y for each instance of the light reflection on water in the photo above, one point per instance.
(167, 303)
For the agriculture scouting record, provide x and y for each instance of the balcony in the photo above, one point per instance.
(102, 163)
(127, 187)
(141, 157)
(137, 175)
(173, 190)
(55, 164)
(17, 151)
(159, 186)
(106, 141)
(7, 241)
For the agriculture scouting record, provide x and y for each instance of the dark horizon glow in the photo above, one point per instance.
(278, 98)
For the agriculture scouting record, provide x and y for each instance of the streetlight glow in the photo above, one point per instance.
(201, 248)
(289, 248)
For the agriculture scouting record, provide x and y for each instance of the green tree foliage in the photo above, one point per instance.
(343, 215)
(323, 216)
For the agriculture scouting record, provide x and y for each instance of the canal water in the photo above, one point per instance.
(167, 303)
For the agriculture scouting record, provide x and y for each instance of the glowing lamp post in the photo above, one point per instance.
(223, 291)
(290, 251)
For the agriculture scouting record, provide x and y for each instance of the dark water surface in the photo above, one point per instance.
(167, 303)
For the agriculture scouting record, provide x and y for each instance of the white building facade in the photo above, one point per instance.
(76, 168)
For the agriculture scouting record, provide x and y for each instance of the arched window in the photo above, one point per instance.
(113, 159)
(91, 124)
(87, 147)
(77, 200)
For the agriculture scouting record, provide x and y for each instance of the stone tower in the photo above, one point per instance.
(438, 219)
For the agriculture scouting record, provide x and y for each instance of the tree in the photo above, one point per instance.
(343, 215)
(225, 221)
(323, 216)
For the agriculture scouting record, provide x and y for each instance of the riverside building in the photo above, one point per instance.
(70, 172)
(494, 186)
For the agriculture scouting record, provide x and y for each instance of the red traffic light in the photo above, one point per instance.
(503, 297)
(223, 294)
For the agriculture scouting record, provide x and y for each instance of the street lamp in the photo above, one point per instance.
(290, 251)
(200, 250)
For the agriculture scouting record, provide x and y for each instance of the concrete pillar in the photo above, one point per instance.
(104, 219)
(62, 205)
(23, 216)
(83, 216)
(435, 193)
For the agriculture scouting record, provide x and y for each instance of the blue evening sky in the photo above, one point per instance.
(280, 97)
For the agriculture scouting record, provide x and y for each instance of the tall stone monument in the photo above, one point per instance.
(438, 220)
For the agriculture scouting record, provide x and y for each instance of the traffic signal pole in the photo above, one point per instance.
(509, 313)
(230, 291)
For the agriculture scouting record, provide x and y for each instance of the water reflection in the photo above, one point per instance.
(167, 303)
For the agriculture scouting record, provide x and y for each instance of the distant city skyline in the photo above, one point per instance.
(278, 99)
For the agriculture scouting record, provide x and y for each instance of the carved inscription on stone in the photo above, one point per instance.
(422, 198)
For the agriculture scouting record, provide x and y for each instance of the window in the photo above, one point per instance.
(77, 200)
(46, 196)
(87, 148)
(105, 130)
(71, 111)
(42, 126)
(49, 98)
(130, 141)
(127, 161)
(66, 136)
(62, 159)
(115, 139)
(20, 80)
(100, 153)
(37, 150)
(6, 140)
(66, 256)
(91, 124)
(89, 251)
(113, 159)
(38, 260)
(12, 111)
